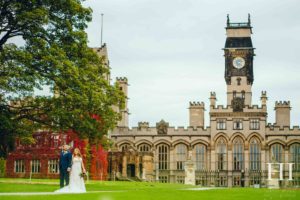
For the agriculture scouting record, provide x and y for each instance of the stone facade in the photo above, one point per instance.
(233, 151)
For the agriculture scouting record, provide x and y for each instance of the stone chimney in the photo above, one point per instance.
(197, 114)
(283, 110)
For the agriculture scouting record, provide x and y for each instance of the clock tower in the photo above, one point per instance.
(239, 53)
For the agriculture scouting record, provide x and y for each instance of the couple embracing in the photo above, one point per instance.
(72, 171)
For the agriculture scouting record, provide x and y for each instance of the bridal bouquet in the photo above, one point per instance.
(82, 175)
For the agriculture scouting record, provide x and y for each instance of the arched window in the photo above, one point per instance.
(181, 155)
(221, 154)
(295, 156)
(124, 147)
(163, 157)
(144, 148)
(255, 162)
(238, 154)
(276, 153)
(200, 152)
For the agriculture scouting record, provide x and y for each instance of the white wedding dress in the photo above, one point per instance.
(76, 184)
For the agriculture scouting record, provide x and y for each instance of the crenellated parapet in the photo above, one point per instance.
(143, 124)
(122, 80)
(228, 108)
(197, 104)
(283, 130)
(162, 129)
(282, 104)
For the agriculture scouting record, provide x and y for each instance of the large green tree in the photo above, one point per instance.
(51, 52)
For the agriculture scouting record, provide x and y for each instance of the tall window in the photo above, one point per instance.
(243, 94)
(163, 157)
(254, 124)
(200, 151)
(254, 155)
(238, 154)
(221, 154)
(237, 124)
(19, 166)
(181, 155)
(221, 124)
(276, 153)
(124, 147)
(144, 148)
(35, 166)
(53, 166)
(295, 156)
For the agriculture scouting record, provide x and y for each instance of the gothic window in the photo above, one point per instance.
(144, 148)
(238, 154)
(254, 124)
(221, 124)
(295, 156)
(53, 166)
(163, 157)
(35, 166)
(238, 80)
(221, 154)
(254, 154)
(243, 94)
(200, 151)
(237, 124)
(276, 153)
(180, 179)
(181, 156)
(124, 147)
(163, 179)
(19, 166)
(234, 94)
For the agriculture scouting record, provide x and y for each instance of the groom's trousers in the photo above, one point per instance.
(64, 176)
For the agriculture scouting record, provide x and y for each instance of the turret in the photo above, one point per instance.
(212, 99)
(123, 86)
(263, 100)
(103, 55)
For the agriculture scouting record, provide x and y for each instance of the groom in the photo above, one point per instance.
(65, 163)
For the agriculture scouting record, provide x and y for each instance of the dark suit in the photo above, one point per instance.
(65, 162)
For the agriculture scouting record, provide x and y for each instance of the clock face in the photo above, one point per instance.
(238, 62)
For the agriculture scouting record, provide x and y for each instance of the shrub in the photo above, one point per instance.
(2, 167)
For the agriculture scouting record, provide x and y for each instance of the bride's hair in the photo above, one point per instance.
(78, 152)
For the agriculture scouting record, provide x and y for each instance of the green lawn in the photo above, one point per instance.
(141, 191)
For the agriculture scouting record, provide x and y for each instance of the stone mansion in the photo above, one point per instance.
(233, 151)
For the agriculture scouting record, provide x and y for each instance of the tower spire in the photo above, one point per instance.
(101, 29)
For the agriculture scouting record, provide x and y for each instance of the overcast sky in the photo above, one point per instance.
(171, 52)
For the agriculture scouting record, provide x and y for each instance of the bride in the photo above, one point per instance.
(76, 184)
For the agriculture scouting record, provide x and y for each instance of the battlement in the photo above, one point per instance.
(122, 79)
(212, 94)
(153, 131)
(282, 104)
(274, 129)
(143, 124)
(197, 104)
(247, 108)
(263, 93)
